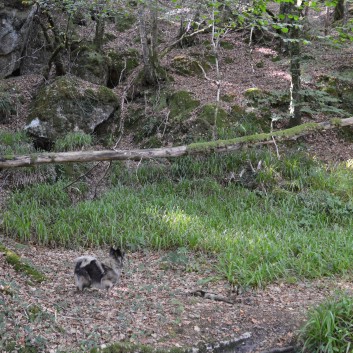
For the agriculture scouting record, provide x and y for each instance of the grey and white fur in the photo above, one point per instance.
(90, 272)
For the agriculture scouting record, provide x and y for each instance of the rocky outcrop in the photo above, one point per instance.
(187, 66)
(91, 66)
(15, 23)
(70, 104)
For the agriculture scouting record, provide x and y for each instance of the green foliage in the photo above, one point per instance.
(321, 102)
(329, 327)
(73, 141)
(6, 106)
(300, 229)
(181, 103)
(14, 142)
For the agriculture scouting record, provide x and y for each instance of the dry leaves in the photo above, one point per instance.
(150, 305)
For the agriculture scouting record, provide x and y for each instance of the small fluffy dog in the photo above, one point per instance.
(90, 272)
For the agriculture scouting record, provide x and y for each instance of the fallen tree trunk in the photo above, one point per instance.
(170, 152)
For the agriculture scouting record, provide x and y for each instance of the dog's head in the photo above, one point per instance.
(117, 255)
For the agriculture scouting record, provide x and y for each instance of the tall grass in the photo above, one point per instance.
(329, 327)
(73, 141)
(258, 236)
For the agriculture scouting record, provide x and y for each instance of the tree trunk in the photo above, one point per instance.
(99, 34)
(339, 13)
(55, 46)
(295, 96)
(295, 59)
(152, 71)
(172, 152)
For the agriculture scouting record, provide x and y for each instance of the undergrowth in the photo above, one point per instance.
(73, 141)
(287, 219)
(329, 327)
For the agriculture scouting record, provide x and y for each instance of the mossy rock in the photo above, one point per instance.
(196, 130)
(186, 66)
(245, 122)
(228, 98)
(181, 103)
(121, 64)
(67, 105)
(207, 113)
(91, 66)
(254, 93)
(15, 261)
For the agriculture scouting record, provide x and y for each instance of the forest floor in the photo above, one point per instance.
(152, 303)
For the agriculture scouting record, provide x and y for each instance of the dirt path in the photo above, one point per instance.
(151, 305)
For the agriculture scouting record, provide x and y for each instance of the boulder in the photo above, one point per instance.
(187, 66)
(90, 65)
(69, 104)
(15, 23)
(180, 104)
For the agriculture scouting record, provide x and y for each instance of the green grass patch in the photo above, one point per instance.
(73, 141)
(15, 261)
(329, 327)
(295, 224)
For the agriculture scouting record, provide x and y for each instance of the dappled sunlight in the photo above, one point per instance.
(280, 74)
(178, 219)
(266, 51)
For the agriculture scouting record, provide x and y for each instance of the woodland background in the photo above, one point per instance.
(211, 140)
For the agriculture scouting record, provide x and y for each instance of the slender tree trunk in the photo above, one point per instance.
(215, 46)
(99, 34)
(295, 58)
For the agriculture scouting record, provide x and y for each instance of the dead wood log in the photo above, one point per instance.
(11, 161)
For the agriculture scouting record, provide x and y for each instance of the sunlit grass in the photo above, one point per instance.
(258, 237)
